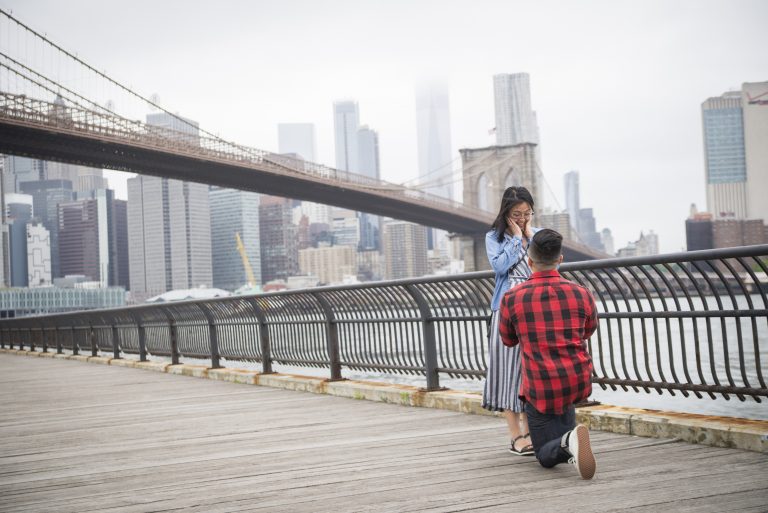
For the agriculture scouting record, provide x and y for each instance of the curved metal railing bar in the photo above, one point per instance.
(658, 326)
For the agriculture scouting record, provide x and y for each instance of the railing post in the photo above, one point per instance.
(92, 334)
(43, 337)
(142, 338)
(115, 343)
(75, 347)
(142, 343)
(174, 337)
(215, 356)
(31, 339)
(2, 339)
(430, 342)
(266, 354)
(59, 348)
(332, 334)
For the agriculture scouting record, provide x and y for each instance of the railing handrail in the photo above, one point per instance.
(694, 323)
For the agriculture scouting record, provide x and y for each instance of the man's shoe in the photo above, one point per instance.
(581, 451)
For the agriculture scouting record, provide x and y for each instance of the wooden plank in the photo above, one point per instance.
(80, 437)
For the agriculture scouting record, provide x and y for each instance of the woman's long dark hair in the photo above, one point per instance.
(512, 197)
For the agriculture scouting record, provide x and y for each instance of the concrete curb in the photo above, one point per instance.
(715, 431)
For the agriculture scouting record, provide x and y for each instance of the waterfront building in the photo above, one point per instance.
(21, 302)
(234, 212)
(329, 263)
(607, 240)
(405, 250)
(38, 255)
(277, 239)
(18, 214)
(736, 155)
(558, 221)
(47, 195)
(169, 234)
(646, 245)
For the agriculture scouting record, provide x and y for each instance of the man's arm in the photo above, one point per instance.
(506, 326)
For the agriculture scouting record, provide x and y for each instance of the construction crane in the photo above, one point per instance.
(248, 270)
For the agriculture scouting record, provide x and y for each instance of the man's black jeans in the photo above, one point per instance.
(547, 431)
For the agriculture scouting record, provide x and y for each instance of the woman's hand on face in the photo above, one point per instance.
(528, 231)
(513, 228)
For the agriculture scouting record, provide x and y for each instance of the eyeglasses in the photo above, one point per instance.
(520, 215)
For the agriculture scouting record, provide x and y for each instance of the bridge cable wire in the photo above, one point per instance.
(57, 84)
(113, 81)
(83, 64)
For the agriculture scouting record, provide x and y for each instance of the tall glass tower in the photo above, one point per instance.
(724, 154)
(515, 119)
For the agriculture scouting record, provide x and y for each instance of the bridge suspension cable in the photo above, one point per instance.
(111, 80)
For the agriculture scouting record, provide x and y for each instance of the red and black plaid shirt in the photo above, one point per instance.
(551, 318)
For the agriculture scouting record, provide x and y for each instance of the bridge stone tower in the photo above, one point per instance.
(487, 172)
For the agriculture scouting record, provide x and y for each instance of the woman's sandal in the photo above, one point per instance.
(527, 450)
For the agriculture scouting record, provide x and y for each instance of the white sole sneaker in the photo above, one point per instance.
(580, 448)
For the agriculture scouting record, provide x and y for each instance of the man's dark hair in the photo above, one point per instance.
(546, 247)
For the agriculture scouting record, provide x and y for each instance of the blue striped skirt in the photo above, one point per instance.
(504, 375)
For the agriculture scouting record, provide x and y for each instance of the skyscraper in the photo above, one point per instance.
(93, 237)
(18, 214)
(232, 212)
(277, 237)
(736, 154)
(83, 250)
(405, 250)
(433, 125)
(169, 235)
(297, 138)
(724, 156)
(515, 119)
(38, 255)
(754, 100)
(17, 170)
(588, 229)
(572, 198)
(46, 197)
(607, 239)
(346, 121)
(433, 131)
(368, 163)
(82, 178)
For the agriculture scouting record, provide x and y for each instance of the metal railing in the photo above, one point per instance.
(694, 323)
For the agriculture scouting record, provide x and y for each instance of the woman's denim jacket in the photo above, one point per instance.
(503, 255)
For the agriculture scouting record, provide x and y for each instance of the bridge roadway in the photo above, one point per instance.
(41, 130)
(78, 437)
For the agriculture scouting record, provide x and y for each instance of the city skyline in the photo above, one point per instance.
(609, 96)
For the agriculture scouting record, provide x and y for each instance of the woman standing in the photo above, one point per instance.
(507, 246)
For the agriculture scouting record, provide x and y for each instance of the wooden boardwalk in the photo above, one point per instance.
(78, 437)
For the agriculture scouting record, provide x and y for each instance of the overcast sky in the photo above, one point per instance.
(617, 85)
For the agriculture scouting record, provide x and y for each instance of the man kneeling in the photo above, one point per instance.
(552, 318)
